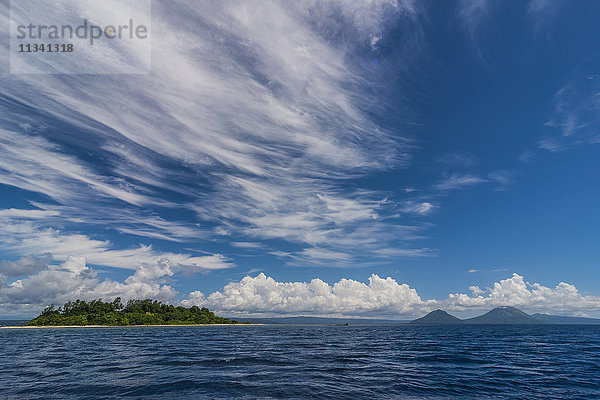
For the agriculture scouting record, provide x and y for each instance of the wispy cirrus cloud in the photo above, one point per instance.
(34, 164)
(458, 181)
(24, 234)
(575, 104)
(477, 18)
(543, 12)
(472, 14)
(417, 207)
(251, 123)
(576, 108)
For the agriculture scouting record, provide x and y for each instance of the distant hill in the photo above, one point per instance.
(437, 317)
(321, 321)
(503, 315)
(500, 315)
(557, 319)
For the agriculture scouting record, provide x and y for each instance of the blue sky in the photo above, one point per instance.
(373, 159)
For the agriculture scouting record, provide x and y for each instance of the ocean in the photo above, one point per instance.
(302, 362)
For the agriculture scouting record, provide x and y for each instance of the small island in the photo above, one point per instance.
(135, 312)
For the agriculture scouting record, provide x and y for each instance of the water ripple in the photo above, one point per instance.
(263, 362)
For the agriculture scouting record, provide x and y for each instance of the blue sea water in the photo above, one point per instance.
(302, 362)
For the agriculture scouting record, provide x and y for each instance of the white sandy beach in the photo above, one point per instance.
(118, 326)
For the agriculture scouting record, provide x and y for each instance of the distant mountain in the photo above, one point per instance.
(320, 321)
(503, 315)
(557, 319)
(438, 317)
(500, 315)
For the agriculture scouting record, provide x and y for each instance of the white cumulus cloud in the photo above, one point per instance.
(516, 292)
(73, 279)
(264, 295)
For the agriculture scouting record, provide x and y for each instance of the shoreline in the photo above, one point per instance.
(119, 326)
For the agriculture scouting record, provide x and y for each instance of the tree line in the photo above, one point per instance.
(135, 312)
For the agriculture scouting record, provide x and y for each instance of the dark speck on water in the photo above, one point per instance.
(300, 362)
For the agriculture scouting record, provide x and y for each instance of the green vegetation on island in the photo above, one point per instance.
(135, 312)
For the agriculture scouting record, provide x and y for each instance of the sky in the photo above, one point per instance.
(356, 158)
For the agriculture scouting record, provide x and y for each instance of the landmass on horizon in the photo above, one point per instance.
(135, 312)
(149, 312)
(502, 316)
(497, 316)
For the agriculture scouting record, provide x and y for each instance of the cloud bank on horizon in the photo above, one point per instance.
(293, 134)
(263, 296)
